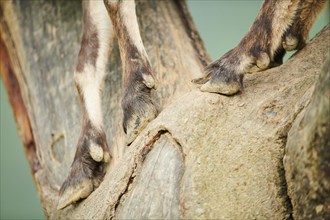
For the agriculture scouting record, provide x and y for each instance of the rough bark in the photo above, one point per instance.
(307, 158)
(204, 156)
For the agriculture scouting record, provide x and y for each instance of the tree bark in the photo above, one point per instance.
(307, 158)
(204, 156)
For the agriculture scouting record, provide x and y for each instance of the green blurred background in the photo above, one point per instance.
(221, 24)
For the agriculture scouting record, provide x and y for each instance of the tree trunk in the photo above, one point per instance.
(204, 156)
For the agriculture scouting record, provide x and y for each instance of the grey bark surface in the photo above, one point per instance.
(307, 158)
(205, 155)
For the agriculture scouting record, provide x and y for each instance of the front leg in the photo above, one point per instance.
(138, 106)
(92, 154)
(296, 35)
(260, 49)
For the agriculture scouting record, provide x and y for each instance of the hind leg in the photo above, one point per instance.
(92, 154)
(137, 103)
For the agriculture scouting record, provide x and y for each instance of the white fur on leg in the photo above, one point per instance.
(91, 85)
(128, 14)
(90, 80)
(102, 22)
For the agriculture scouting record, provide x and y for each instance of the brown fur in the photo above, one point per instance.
(89, 42)
(138, 106)
(279, 26)
(306, 14)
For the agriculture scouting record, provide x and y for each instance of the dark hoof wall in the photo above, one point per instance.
(137, 116)
(87, 170)
(74, 193)
(83, 179)
(219, 80)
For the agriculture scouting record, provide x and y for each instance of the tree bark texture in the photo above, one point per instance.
(204, 156)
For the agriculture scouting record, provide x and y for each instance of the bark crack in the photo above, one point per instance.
(282, 139)
(182, 206)
(140, 159)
